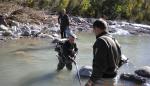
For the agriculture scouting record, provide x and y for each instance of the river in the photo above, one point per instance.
(33, 62)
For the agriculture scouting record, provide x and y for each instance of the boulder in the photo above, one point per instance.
(26, 33)
(7, 33)
(133, 78)
(1, 38)
(44, 30)
(54, 29)
(80, 29)
(55, 35)
(14, 23)
(35, 33)
(57, 40)
(76, 19)
(144, 72)
(3, 28)
(85, 71)
(41, 35)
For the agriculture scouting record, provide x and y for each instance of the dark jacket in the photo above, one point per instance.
(2, 21)
(105, 64)
(69, 49)
(64, 21)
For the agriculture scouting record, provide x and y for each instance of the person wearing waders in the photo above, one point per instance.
(107, 56)
(68, 53)
(63, 20)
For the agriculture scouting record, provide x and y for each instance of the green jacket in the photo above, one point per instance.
(107, 55)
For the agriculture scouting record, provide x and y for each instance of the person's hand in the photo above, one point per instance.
(72, 58)
(89, 83)
(73, 52)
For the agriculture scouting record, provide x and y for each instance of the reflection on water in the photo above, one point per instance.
(32, 62)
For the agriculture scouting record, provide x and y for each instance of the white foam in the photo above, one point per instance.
(121, 32)
(141, 25)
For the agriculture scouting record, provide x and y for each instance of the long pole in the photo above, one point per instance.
(78, 75)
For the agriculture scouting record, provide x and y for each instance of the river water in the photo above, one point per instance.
(33, 62)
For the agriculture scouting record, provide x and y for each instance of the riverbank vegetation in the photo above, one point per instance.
(132, 10)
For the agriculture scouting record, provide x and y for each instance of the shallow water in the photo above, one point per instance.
(32, 62)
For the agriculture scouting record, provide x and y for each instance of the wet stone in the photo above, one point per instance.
(7, 33)
(133, 78)
(85, 71)
(144, 72)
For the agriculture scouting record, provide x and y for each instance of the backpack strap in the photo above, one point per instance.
(112, 41)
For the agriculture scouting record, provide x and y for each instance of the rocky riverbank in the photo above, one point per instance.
(78, 24)
(27, 22)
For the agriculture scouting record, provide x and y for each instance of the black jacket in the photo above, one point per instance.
(2, 21)
(64, 21)
(104, 63)
(69, 49)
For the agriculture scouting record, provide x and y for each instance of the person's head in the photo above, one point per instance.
(64, 11)
(72, 38)
(99, 26)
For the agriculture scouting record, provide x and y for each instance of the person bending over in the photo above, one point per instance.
(67, 54)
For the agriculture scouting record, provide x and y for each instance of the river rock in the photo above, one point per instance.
(3, 28)
(42, 35)
(26, 33)
(133, 78)
(76, 19)
(144, 72)
(55, 35)
(1, 38)
(58, 40)
(35, 33)
(7, 33)
(14, 23)
(54, 29)
(85, 71)
(80, 29)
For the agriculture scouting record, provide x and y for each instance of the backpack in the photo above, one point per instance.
(121, 58)
(59, 47)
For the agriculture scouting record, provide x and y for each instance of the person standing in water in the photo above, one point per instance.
(107, 56)
(67, 54)
(63, 20)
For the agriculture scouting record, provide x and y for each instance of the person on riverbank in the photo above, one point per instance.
(68, 53)
(107, 56)
(3, 21)
(63, 20)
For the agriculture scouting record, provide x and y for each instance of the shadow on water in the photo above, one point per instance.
(35, 49)
(32, 79)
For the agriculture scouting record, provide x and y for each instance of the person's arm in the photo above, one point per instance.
(100, 62)
(74, 53)
(76, 48)
(59, 19)
(67, 20)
